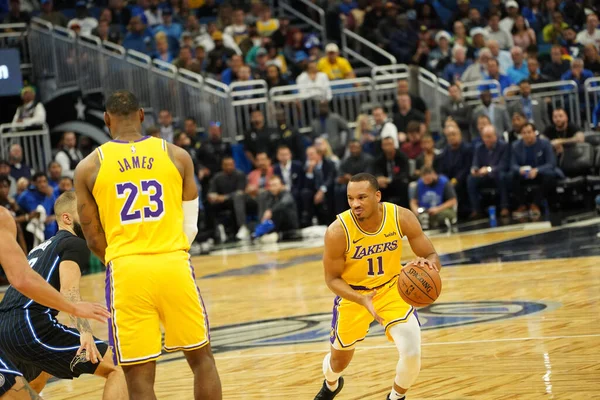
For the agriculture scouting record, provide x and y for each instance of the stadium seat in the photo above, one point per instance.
(592, 138)
(593, 181)
(576, 163)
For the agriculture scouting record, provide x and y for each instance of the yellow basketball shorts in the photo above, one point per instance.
(144, 291)
(350, 323)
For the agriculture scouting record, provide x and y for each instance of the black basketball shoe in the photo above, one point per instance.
(326, 394)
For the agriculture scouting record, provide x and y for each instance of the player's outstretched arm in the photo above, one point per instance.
(85, 175)
(29, 282)
(419, 242)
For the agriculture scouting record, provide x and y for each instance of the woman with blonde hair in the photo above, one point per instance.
(324, 149)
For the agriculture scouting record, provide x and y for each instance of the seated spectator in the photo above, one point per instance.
(523, 36)
(266, 24)
(190, 127)
(406, 113)
(489, 169)
(533, 68)
(519, 70)
(495, 32)
(482, 121)
(454, 71)
(153, 131)
(106, 33)
(258, 63)
(392, 172)
(261, 138)
(518, 120)
(496, 112)
(18, 169)
(315, 84)
(493, 72)
(210, 9)
(558, 66)
(415, 100)
(207, 39)
(561, 132)
(138, 38)
(69, 155)
(229, 74)
(185, 59)
(212, 151)
(440, 56)
(15, 15)
(280, 37)
(295, 44)
(552, 32)
(317, 193)
(462, 12)
(277, 211)
(40, 194)
(456, 108)
(532, 163)
(374, 15)
(591, 33)
(238, 30)
(183, 140)
(64, 185)
(455, 163)
(503, 56)
(591, 59)
(428, 157)
(536, 112)
(333, 65)
(332, 126)
(258, 179)
(387, 26)
(324, 149)
(54, 17)
(153, 14)
(412, 147)
(274, 57)
(288, 136)
(168, 26)
(475, 19)
(404, 40)
(461, 36)
(383, 128)
(273, 76)
(434, 200)
(82, 18)
(167, 128)
(478, 40)
(32, 112)
(218, 56)
(5, 170)
(364, 128)
(355, 163)
(578, 74)
(226, 192)
(290, 171)
(477, 71)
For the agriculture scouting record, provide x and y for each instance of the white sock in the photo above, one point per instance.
(395, 395)
(334, 387)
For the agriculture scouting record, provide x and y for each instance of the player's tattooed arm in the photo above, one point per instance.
(22, 387)
(82, 324)
(70, 275)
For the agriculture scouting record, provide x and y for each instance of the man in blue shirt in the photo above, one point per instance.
(454, 70)
(434, 200)
(493, 68)
(490, 163)
(519, 70)
(139, 38)
(40, 194)
(172, 29)
(578, 74)
(455, 163)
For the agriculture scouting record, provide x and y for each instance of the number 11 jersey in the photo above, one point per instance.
(138, 190)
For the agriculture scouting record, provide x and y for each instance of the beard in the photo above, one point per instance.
(78, 231)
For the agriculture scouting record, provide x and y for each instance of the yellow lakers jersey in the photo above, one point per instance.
(372, 258)
(138, 190)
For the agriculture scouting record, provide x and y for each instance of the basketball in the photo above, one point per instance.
(419, 286)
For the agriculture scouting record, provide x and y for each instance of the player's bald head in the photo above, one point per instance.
(66, 203)
(122, 103)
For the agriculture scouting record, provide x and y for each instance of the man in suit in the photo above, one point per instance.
(532, 163)
(496, 112)
(536, 112)
(357, 162)
(457, 108)
(392, 172)
(490, 163)
(291, 173)
(317, 193)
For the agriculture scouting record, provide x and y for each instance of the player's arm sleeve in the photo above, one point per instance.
(76, 250)
(190, 219)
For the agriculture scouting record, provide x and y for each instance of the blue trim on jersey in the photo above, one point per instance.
(57, 324)
(10, 371)
(43, 344)
(47, 279)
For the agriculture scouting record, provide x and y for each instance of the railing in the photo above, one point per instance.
(285, 7)
(592, 99)
(15, 36)
(35, 141)
(353, 45)
(472, 90)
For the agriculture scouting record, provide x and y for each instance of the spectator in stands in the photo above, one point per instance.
(482, 121)
(461, 37)
(532, 163)
(489, 169)
(185, 58)
(274, 57)
(404, 41)
(331, 126)
(317, 193)
(259, 65)
(238, 30)
(229, 74)
(518, 71)
(536, 112)
(64, 185)
(218, 56)
(266, 24)
(69, 155)
(568, 42)
(415, 100)
(434, 200)
(478, 39)
(462, 11)
(383, 128)
(475, 19)
(355, 163)
(154, 131)
(392, 172)
(167, 129)
(208, 10)
(406, 113)
(315, 84)
(288, 136)
(278, 206)
(324, 149)
(192, 27)
(258, 178)
(442, 55)
(578, 74)
(138, 38)
(476, 72)
(454, 71)
(364, 130)
(226, 192)
(120, 14)
(207, 41)
(212, 151)
(495, 111)
(518, 120)
(591, 59)
(106, 33)
(455, 163)
(552, 33)
(199, 62)
(168, 26)
(512, 13)
(40, 194)
(260, 137)
(281, 36)
(562, 132)
(533, 67)
(18, 169)
(558, 66)
(534, 14)
(162, 48)
(290, 171)
(387, 26)
(32, 112)
(153, 13)
(190, 127)
(412, 147)
(83, 19)
(54, 17)
(15, 14)
(183, 140)
(503, 56)
(374, 15)
(333, 65)
(5, 168)
(504, 38)
(456, 108)
(428, 157)
(493, 72)
(523, 36)
(244, 74)
(591, 33)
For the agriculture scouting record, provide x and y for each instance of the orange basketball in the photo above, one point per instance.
(419, 286)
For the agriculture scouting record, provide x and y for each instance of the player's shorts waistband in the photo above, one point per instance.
(375, 287)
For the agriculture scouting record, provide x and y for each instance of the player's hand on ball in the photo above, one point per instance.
(88, 348)
(423, 262)
(94, 311)
(367, 302)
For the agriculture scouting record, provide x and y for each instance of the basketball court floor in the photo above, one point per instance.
(518, 318)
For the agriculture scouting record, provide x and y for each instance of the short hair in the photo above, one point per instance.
(273, 177)
(427, 136)
(560, 109)
(283, 147)
(37, 176)
(494, 60)
(378, 107)
(50, 164)
(191, 119)
(178, 135)
(526, 125)
(366, 177)
(577, 61)
(413, 126)
(262, 152)
(228, 157)
(153, 130)
(122, 103)
(66, 202)
(483, 116)
(520, 113)
(62, 178)
(4, 179)
(524, 81)
(426, 170)
(353, 141)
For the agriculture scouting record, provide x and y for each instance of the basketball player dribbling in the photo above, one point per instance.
(363, 249)
(138, 206)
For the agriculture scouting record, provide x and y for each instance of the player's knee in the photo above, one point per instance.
(201, 359)
(408, 368)
(339, 362)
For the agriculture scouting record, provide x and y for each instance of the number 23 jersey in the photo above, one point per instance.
(372, 258)
(138, 190)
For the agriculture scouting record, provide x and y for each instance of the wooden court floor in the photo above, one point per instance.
(500, 330)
